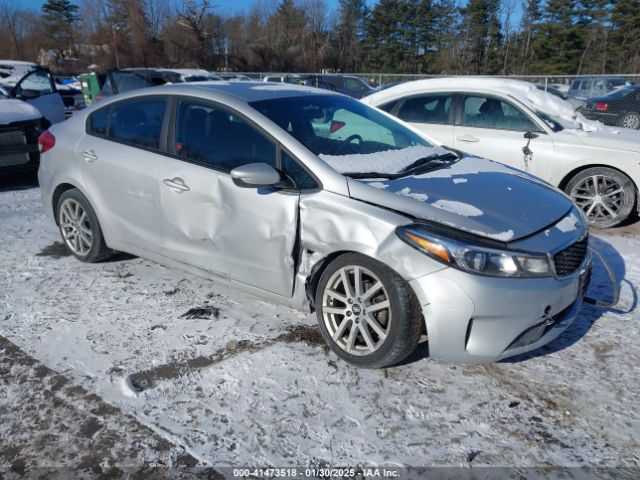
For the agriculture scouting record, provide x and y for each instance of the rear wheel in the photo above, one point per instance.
(606, 196)
(630, 120)
(80, 228)
(367, 313)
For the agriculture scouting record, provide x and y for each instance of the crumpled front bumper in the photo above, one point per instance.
(478, 319)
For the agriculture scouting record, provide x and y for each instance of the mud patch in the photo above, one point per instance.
(55, 250)
(141, 381)
(201, 313)
(305, 334)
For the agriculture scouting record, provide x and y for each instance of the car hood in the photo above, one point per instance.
(474, 195)
(16, 111)
(609, 138)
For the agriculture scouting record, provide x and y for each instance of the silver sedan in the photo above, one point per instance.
(314, 199)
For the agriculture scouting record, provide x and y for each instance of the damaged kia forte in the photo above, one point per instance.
(316, 200)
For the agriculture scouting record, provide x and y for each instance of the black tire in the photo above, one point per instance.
(624, 203)
(98, 250)
(406, 322)
(630, 120)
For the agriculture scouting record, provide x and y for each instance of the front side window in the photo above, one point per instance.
(355, 84)
(39, 82)
(295, 172)
(138, 122)
(488, 112)
(218, 138)
(426, 109)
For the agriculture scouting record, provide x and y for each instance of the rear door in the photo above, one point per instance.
(39, 89)
(246, 234)
(430, 113)
(121, 168)
(494, 128)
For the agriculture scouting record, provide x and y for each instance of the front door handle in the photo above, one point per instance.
(89, 156)
(176, 184)
(467, 138)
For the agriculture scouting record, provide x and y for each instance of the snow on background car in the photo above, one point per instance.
(238, 381)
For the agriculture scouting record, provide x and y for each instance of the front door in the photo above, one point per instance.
(495, 129)
(38, 89)
(247, 234)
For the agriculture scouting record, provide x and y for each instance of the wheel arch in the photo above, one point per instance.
(57, 193)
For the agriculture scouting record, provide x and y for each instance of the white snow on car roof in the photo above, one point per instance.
(525, 92)
(385, 162)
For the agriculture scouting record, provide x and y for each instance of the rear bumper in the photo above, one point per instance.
(475, 319)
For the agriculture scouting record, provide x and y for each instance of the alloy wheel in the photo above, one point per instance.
(600, 197)
(632, 121)
(75, 227)
(356, 310)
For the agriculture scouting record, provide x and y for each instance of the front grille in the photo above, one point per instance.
(569, 260)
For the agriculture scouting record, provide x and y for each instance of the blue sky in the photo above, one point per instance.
(222, 6)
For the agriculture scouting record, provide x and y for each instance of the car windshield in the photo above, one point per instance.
(353, 138)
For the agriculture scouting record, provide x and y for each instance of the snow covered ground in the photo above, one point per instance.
(234, 381)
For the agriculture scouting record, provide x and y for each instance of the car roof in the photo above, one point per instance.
(246, 91)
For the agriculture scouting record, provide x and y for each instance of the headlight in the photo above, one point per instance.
(475, 258)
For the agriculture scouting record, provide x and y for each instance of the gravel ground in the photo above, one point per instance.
(156, 365)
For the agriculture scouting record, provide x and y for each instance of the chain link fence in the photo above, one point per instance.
(612, 99)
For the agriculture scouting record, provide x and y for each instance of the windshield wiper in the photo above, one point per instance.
(428, 159)
(431, 161)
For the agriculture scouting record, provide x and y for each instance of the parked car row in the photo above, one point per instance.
(518, 125)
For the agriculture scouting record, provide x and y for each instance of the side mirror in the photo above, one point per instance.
(530, 135)
(254, 175)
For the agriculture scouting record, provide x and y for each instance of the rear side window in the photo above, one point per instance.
(426, 109)
(138, 122)
(218, 138)
(387, 107)
(99, 122)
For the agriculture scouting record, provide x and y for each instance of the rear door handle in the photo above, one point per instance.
(89, 156)
(176, 184)
(467, 138)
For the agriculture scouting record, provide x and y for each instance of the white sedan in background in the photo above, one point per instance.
(516, 124)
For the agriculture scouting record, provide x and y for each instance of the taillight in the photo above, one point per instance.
(46, 141)
(602, 106)
(335, 126)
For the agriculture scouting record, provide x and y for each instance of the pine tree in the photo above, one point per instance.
(625, 35)
(59, 17)
(558, 44)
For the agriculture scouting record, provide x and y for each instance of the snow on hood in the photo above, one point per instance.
(495, 201)
(525, 92)
(16, 110)
(388, 161)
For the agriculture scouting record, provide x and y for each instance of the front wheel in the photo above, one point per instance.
(367, 313)
(606, 196)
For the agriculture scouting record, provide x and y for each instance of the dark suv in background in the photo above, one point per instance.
(620, 108)
(347, 84)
